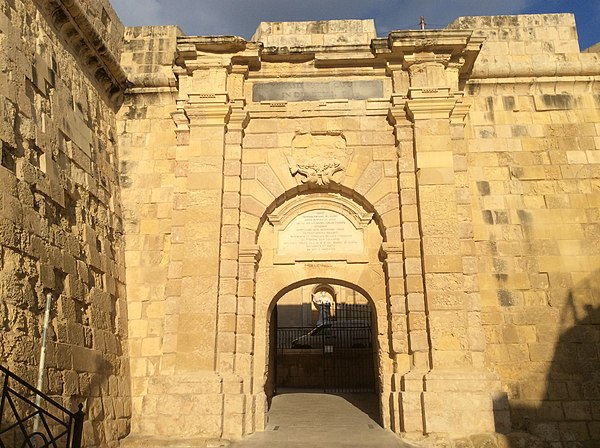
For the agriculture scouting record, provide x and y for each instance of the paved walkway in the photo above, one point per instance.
(317, 420)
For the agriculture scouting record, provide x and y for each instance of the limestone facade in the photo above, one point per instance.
(465, 163)
(170, 189)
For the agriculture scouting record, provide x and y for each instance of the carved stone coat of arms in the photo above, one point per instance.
(319, 159)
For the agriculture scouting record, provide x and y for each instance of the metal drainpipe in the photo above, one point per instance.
(40, 382)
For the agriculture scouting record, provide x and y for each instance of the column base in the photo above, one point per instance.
(200, 406)
(459, 403)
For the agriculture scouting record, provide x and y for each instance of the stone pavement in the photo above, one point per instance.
(317, 420)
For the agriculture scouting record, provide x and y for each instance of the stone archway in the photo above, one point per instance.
(266, 349)
(322, 337)
(344, 247)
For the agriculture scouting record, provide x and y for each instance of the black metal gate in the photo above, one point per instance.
(336, 355)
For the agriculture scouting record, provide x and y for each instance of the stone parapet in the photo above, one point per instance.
(541, 45)
(316, 33)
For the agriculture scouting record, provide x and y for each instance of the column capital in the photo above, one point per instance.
(239, 117)
(427, 108)
(250, 253)
(182, 125)
(390, 249)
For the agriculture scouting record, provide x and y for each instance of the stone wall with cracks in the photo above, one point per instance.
(60, 219)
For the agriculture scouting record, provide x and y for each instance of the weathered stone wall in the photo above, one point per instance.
(534, 174)
(467, 188)
(60, 219)
(149, 174)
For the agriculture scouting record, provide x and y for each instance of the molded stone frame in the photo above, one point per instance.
(347, 209)
(273, 279)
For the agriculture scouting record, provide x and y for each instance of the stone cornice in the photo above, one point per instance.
(222, 50)
(446, 47)
(404, 47)
(73, 25)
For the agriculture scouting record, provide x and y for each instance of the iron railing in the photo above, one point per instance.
(27, 422)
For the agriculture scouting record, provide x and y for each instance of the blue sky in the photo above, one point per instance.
(241, 17)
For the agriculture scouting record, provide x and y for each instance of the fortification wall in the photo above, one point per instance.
(483, 173)
(60, 218)
(533, 163)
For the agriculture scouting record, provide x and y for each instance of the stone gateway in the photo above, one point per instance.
(185, 198)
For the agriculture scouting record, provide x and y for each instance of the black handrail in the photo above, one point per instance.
(60, 428)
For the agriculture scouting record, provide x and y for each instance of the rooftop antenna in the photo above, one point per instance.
(422, 23)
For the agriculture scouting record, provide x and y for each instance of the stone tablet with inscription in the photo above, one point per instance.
(320, 235)
(314, 91)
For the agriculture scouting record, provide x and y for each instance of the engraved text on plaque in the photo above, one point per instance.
(320, 232)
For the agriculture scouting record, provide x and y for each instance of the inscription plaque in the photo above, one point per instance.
(319, 232)
(314, 91)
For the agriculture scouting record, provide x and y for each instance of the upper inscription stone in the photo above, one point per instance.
(314, 91)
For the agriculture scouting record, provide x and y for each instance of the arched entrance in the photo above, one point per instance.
(328, 248)
(324, 340)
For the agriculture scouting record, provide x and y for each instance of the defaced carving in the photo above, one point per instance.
(319, 159)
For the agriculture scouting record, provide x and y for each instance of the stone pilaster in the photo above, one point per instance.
(188, 364)
(391, 253)
(455, 390)
(413, 363)
(230, 231)
(249, 257)
(445, 385)
(231, 326)
(200, 203)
